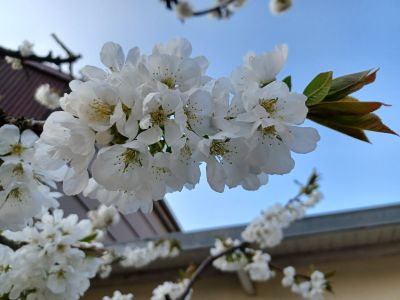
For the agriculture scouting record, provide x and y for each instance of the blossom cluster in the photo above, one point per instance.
(104, 216)
(118, 296)
(47, 96)
(267, 229)
(174, 290)
(309, 289)
(255, 262)
(25, 49)
(25, 183)
(185, 10)
(155, 118)
(51, 262)
(140, 256)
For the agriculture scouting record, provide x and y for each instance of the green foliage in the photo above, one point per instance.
(318, 88)
(333, 107)
(348, 84)
(288, 81)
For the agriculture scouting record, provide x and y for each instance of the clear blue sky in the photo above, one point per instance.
(339, 35)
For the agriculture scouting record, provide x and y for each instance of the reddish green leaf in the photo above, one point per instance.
(345, 85)
(353, 132)
(345, 106)
(366, 122)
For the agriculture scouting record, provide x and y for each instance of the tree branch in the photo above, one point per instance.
(9, 243)
(22, 123)
(215, 9)
(57, 60)
(207, 262)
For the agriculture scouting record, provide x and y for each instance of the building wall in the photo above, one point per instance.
(362, 279)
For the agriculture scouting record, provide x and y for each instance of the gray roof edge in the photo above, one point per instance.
(354, 220)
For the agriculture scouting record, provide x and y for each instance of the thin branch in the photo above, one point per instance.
(297, 276)
(215, 9)
(207, 262)
(9, 243)
(22, 123)
(57, 60)
(66, 49)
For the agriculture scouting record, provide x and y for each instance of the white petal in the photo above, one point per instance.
(133, 56)
(215, 176)
(150, 136)
(28, 138)
(74, 183)
(9, 136)
(92, 72)
(112, 56)
(172, 132)
(302, 139)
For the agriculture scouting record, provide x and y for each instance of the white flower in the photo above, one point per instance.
(51, 265)
(16, 64)
(47, 96)
(141, 256)
(157, 109)
(25, 191)
(267, 229)
(259, 70)
(226, 163)
(127, 166)
(125, 201)
(184, 10)
(259, 268)
(313, 289)
(173, 290)
(166, 71)
(235, 261)
(97, 104)
(118, 296)
(25, 48)
(68, 139)
(313, 198)
(104, 216)
(288, 278)
(15, 146)
(279, 6)
(272, 111)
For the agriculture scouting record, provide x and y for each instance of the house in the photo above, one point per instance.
(17, 89)
(362, 246)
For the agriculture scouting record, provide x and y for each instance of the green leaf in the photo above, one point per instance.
(345, 85)
(318, 88)
(288, 81)
(330, 274)
(89, 238)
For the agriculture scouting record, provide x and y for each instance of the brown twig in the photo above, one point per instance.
(49, 58)
(9, 243)
(218, 9)
(207, 262)
(22, 123)
(67, 50)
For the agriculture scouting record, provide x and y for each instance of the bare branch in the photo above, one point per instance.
(22, 123)
(57, 60)
(207, 262)
(9, 243)
(217, 9)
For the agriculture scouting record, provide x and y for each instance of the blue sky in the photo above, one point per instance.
(342, 36)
